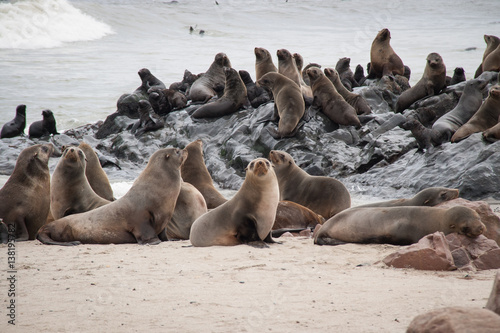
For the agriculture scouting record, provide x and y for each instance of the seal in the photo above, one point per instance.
(16, 126)
(235, 95)
(44, 127)
(70, 191)
(248, 217)
(96, 176)
(195, 172)
(343, 67)
(289, 104)
(25, 197)
(327, 98)
(492, 43)
(492, 62)
(492, 134)
(291, 215)
(486, 117)
(288, 68)
(325, 196)
(189, 206)
(355, 100)
(397, 225)
(256, 94)
(137, 217)
(383, 59)
(211, 82)
(429, 197)
(304, 72)
(432, 82)
(458, 76)
(359, 74)
(149, 121)
(148, 81)
(263, 63)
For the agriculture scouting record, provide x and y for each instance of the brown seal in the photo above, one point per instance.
(325, 196)
(263, 63)
(248, 217)
(429, 197)
(96, 176)
(486, 117)
(355, 100)
(432, 82)
(288, 67)
(70, 191)
(492, 62)
(330, 101)
(343, 68)
(139, 216)
(492, 134)
(383, 59)
(289, 104)
(492, 43)
(291, 215)
(195, 172)
(25, 197)
(211, 82)
(235, 95)
(397, 225)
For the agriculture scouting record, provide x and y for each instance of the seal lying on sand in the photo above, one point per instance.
(429, 197)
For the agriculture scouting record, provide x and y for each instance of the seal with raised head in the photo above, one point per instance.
(210, 83)
(195, 172)
(458, 76)
(256, 94)
(492, 43)
(70, 191)
(397, 225)
(25, 197)
(383, 59)
(96, 176)
(325, 196)
(16, 126)
(235, 96)
(137, 217)
(187, 80)
(355, 100)
(44, 127)
(485, 118)
(331, 103)
(248, 217)
(343, 67)
(148, 81)
(263, 63)
(492, 62)
(289, 104)
(429, 197)
(287, 67)
(432, 82)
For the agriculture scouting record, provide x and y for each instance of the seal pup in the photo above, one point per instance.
(397, 225)
(25, 197)
(211, 82)
(432, 82)
(96, 176)
(355, 100)
(383, 59)
(195, 172)
(44, 127)
(256, 95)
(289, 104)
(16, 126)
(137, 217)
(429, 197)
(184, 85)
(291, 215)
(492, 42)
(458, 76)
(235, 96)
(263, 63)
(288, 68)
(486, 117)
(148, 121)
(359, 74)
(343, 67)
(70, 191)
(325, 196)
(327, 98)
(248, 217)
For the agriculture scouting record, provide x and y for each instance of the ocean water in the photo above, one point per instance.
(77, 57)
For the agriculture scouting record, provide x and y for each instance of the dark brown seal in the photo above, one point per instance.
(25, 197)
(397, 225)
(96, 176)
(291, 215)
(325, 196)
(148, 121)
(248, 217)
(492, 43)
(195, 172)
(263, 63)
(16, 126)
(289, 104)
(383, 59)
(137, 217)
(70, 191)
(288, 67)
(331, 103)
(211, 82)
(432, 82)
(343, 68)
(486, 117)
(429, 197)
(44, 127)
(235, 96)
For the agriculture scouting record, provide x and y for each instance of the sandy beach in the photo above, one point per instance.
(173, 287)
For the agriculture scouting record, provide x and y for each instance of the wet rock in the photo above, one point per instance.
(493, 303)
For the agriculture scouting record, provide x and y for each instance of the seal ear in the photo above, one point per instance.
(167, 156)
(427, 201)
(452, 226)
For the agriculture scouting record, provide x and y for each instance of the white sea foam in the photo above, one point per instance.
(34, 24)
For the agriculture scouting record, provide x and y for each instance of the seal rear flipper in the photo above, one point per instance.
(163, 235)
(43, 236)
(328, 241)
(270, 240)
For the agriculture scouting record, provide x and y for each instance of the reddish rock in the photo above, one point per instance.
(462, 260)
(430, 253)
(455, 320)
(488, 217)
(306, 233)
(480, 252)
(493, 303)
(286, 234)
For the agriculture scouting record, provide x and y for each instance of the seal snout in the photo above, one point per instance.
(259, 167)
